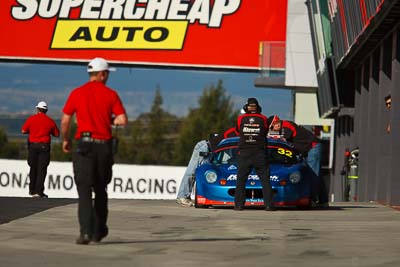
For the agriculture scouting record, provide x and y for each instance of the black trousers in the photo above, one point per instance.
(38, 161)
(249, 159)
(92, 164)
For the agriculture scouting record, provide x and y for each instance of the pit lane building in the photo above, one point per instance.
(356, 46)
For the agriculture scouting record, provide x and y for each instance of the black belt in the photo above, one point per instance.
(94, 140)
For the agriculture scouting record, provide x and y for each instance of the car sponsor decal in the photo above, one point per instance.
(233, 177)
(232, 167)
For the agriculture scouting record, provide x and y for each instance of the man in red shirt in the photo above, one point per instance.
(97, 107)
(39, 127)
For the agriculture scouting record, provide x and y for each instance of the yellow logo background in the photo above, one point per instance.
(119, 34)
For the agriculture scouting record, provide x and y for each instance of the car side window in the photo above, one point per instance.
(227, 155)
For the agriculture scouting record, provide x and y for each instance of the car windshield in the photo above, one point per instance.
(276, 154)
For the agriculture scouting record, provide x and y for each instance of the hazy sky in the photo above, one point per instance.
(22, 85)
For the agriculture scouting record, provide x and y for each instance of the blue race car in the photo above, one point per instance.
(291, 178)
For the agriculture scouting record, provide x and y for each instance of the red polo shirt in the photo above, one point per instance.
(40, 127)
(94, 105)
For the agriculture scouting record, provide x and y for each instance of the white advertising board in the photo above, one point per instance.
(128, 182)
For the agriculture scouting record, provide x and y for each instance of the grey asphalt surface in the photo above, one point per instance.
(42, 232)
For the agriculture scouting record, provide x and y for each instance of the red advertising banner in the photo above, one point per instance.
(179, 33)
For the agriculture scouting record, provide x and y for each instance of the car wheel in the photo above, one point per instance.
(196, 203)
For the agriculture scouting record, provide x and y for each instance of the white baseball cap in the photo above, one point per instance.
(42, 105)
(98, 64)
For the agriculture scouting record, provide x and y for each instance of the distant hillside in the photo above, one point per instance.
(23, 102)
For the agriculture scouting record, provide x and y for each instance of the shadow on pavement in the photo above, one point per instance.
(331, 207)
(261, 238)
(12, 208)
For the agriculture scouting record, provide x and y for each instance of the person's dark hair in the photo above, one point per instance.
(214, 140)
(42, 110)
(252, 101)
(388, 102)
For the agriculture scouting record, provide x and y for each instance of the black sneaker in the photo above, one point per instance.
(83, 240)
(98, 237)
(238, 208)
(43, 195)
(324, 205)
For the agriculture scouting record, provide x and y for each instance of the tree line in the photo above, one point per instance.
(156, 137)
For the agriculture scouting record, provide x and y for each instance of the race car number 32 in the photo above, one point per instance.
(285, 152)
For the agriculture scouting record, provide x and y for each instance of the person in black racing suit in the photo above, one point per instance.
(253, 129)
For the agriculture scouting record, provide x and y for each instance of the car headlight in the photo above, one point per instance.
(211, 176)
(295, 177)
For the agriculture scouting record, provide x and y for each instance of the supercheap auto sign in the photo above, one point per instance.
(191, 33)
